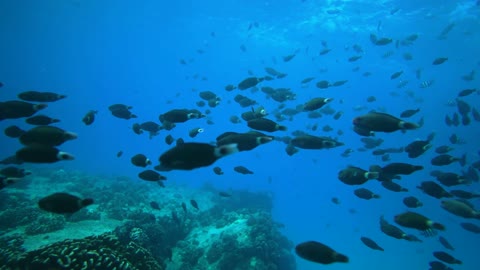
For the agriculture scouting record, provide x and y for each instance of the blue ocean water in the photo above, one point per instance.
(99, 53)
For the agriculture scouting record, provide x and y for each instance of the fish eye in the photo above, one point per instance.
(200, 130)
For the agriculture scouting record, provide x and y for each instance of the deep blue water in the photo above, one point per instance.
(103, 52)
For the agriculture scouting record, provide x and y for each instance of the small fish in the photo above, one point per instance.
(224, 194)
(194, 204)
(370, 243)
(396, 75)
(439, 60)
(426, 84)
(242, 170)
(119, 153)
(89, 117)
(155, 205)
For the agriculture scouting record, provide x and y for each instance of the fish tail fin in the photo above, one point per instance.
(282, 128)
(408, 125)
(86, 202)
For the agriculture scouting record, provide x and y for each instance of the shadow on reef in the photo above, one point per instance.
(234, 233)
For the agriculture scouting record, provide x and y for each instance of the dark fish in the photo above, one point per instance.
(140, 160)
(443, 149)
(41, 120)
(38, 153)
(445, 243)
(194, 204)
(217, 170)
(14, 172)
(470, 227)
(184, 207)
(400, 168)
(307, 80)
(288, 57)
(370, 243)
(392, 186)
(17, 109)
(189, 156)
(63, 203)
(324, 51)
(46, 135)
(194, 132)
(436, 265)
(445, 257)
(433, 189)
(339, 83)
(417, 148)
(207, 95)
(460, 209)
(123, 114)
(180, 115)
(242, 170)
(335, 200)
(224, 194)
(291, 150)
(314, 142)
(323, 84)
(450, 179)
(36, 96)
(396, 75)
(417, 221)
(466, 92)
(317, 252)
(137, 129)
(249, 82)
(119, 153)
(464, 194)
(230, 87)
(409, 113)
(365, 194)
(354, 58)
(150, 175)
(381, 122)
(439, 61)
(154, 205)
(13, 131)
(356, 176)
(244, 141)
(264, 124)
(169, 139)
(445, 159)
(89, 117)
(394, 231)
(316, 103)
(412, 202)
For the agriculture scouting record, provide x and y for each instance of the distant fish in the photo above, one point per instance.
(155, 205)
(89, 117)
(426, 84)
(370, 243)
(439, 60)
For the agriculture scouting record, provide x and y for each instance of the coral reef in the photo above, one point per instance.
(45, 224)
(97, 252)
